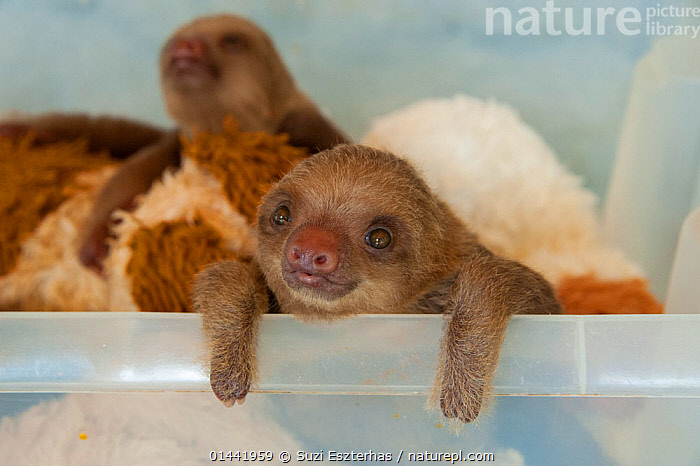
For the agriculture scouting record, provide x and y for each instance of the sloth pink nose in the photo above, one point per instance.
(187, 48)
(314, 251)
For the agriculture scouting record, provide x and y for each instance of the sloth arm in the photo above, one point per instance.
(132, 178)
(231, 296)
(122, 137)
(486, 292)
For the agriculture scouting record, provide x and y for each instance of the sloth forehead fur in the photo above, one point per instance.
(351, 190)
(358, 181)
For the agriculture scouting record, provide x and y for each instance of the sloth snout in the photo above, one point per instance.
(314, 251)
(190, 47)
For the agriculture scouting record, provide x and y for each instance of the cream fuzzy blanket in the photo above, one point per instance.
(138, 429)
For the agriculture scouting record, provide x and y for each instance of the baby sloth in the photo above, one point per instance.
(357, 230)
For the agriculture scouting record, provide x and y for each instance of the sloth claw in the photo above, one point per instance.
(229, 391)
(457, 402)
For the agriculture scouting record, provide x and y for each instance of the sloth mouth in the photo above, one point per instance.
(188, 66)
(320, 285)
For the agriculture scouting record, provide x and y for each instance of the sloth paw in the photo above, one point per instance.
(94, 249)
(460, 401)
(229, 389)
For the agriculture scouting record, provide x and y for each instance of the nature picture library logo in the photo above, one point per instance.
(556, 18)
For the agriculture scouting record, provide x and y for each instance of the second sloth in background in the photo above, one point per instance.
(211, 68)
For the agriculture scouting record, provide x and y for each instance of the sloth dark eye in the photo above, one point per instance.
(281, 215)
(231, 40)
(379, 238)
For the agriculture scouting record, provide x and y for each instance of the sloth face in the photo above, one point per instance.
(350, 230)
(222, 65)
